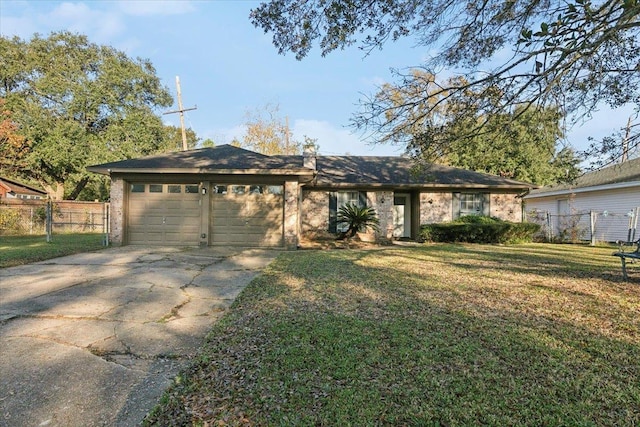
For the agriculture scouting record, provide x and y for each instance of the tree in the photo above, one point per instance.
(78, 103)
(13, 146)
(523, 144)
(269, 135)
(565, 54)
(174, 139)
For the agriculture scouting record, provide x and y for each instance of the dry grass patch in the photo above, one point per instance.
(434, 335)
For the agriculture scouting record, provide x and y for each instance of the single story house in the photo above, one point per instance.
(231, 196)
(609, 195)
(11, 189)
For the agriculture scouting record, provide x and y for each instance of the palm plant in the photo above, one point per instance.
(356, 218)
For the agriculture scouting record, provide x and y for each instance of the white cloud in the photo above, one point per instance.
(163, 7)
(78, 17)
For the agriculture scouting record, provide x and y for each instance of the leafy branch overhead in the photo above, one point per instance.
(75, 103)
(567, 55)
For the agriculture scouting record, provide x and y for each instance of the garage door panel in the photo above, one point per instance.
(247, 219)
(164, 218)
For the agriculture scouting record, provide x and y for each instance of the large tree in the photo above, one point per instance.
(78, 103)
(565, 54)
(267, 133)
(524, 144)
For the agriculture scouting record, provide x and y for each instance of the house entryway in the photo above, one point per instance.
(402, 215)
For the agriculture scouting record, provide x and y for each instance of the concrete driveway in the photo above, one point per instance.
(93, 339)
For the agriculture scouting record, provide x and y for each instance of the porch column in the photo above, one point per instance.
(291, 214)
(116, 211)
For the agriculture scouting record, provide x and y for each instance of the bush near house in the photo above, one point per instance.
(479, 229)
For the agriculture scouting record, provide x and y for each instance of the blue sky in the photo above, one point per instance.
(227, 67)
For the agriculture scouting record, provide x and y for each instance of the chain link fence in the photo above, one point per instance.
(48, 218)
(592, 226)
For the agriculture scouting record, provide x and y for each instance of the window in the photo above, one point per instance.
(155, 188)
(275, 189)
(339, 199)
(256, 189)
(470, 204)
(220, 189)
(137, 188)
(174, 189)
(191, 188)
(238, 189)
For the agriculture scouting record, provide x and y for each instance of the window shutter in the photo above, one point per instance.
(455, 213)
(333, 212)
(486, 207)
(362, 198)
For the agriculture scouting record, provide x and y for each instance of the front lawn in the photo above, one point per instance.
(442, 335)
(18, 250)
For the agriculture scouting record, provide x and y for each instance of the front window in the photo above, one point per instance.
(471, 204)
(347, 197)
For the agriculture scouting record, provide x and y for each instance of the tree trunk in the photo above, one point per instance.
(79, 187)
(55, 193)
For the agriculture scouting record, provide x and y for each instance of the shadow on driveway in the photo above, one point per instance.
(93, 339)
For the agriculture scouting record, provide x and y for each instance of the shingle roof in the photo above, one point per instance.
(332, 171)
(223, 157)
(393, 170)
(20, 188)
(628, 171)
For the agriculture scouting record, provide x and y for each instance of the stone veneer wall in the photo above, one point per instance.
(507, 207)
(436, 207)
(291, 214)
(314, 219)
(382, 202)
(116, 211)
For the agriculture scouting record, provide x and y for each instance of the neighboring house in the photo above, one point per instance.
(10, 189)
(230, 196)
(611, 193)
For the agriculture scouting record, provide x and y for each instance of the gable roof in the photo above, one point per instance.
(400, 171)
(332, 171)
(219, 159)
(620, 175)
(16, 187)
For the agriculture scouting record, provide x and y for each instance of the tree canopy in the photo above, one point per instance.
(522, 144)
(76, 104)
(266, 133)
(570, 55)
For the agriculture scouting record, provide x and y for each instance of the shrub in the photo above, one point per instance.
(356, 219)
(477, 229)
(10, 221)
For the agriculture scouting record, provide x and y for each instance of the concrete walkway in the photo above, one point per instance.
(94, 339)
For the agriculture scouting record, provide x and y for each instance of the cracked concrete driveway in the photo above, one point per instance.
(93, 339)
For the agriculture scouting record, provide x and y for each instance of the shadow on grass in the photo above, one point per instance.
(403, 337)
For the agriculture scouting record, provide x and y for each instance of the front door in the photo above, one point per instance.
(401, 215)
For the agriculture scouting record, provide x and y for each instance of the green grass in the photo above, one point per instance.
(439, 335)
(18, 250)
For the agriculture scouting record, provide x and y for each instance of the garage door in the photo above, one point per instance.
(164, 214)
(247, 215)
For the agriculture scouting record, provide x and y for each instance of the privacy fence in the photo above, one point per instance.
(36, 217)
(592, 226)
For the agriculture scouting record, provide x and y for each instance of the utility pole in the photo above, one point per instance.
(181, 111)
(625, 142)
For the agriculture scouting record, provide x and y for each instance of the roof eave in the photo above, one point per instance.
(422, 185)
(200, 171)
(574, 190)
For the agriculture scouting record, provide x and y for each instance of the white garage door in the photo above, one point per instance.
(163, 214)
(247, 215)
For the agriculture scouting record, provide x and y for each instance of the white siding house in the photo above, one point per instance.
(608, 197)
